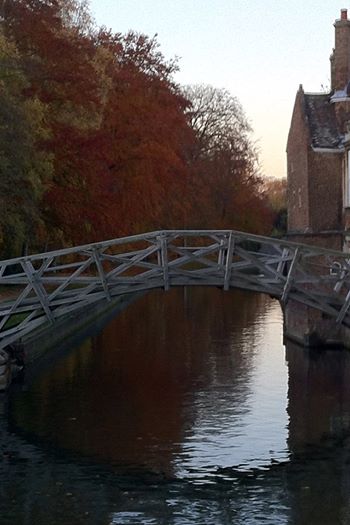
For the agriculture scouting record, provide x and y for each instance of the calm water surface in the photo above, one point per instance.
(184, 409)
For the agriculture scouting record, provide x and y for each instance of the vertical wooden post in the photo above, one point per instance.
(101, 272)
(164, 260)
(228, 268)
(221, 255)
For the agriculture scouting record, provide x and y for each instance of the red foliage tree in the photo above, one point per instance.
(146, 135)
(118, 129)
(128, 151)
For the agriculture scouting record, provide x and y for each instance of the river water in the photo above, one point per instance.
(185, 409)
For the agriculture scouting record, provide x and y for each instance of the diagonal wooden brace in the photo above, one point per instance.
(290, 277)
(38, 288)
(101, 272)
(344, 309)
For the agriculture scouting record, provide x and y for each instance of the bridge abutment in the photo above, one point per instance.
(305, 325)
(312, 328)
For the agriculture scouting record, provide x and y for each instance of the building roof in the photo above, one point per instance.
(324, 129)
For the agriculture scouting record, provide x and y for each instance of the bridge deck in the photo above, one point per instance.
(44, 287)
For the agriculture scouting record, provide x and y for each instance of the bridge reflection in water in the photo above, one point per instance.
(197, 418)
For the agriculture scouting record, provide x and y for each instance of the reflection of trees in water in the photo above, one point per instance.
(319, 436)
(39, 486)
(130, 373)
(221, 365)
(169, 348)
(121, 399)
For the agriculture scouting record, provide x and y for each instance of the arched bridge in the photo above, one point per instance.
(42, 288)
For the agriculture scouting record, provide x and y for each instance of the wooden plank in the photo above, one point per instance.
(34, 280)
(222, 249)
(290, 277)
(151, 237)
(67, 280)
(255, 262)
(14, 336)
(164, 260)
(13, 308)
(194, 256)
(101, 273)
(132, 262)
(285, 257)
(228, 268)
(2, 269)
(344, 277)
(344, 309)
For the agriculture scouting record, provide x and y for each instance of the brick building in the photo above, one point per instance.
(318, 154)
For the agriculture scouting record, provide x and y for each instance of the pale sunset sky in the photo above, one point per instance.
(259, 50)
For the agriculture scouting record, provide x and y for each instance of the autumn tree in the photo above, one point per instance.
(226, 185)
(145, 134)
(109, 143)
(66, 73)
(118, 129)
(276, 191)
(25, 168)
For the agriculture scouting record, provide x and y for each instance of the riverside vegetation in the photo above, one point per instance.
(97, 140)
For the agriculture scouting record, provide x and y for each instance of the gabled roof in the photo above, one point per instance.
(324, 129)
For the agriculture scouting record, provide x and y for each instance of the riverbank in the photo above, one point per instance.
(45, 343)
(40, 341)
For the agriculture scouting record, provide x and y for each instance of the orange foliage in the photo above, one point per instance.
(127, 154)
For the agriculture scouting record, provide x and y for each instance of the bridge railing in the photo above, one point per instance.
(44, 287)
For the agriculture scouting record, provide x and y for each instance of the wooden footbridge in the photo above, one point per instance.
(45, 287)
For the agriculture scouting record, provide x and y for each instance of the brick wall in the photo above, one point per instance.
(325, 191)
(342, 112)
(297, 158)
(330, 240)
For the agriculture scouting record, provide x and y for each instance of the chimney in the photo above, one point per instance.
(340, 59)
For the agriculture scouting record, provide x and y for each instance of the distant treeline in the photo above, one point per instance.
(98, 141)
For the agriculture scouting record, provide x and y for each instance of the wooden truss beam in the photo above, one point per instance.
(44, 287)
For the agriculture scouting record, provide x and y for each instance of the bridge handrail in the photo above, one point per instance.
(185, 233)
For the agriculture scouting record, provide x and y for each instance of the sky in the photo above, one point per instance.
(259, 50)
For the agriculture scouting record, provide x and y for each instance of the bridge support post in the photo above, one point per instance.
(228, 268)
(164, 260)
